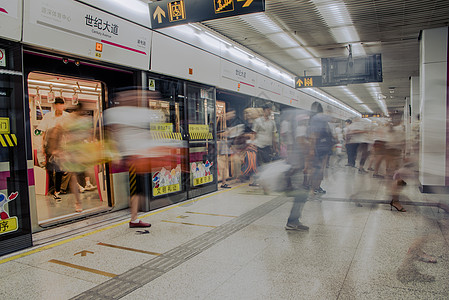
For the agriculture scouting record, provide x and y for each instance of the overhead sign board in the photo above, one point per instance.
(168, 13)
(308, 81)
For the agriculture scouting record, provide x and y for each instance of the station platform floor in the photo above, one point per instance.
(232, 244)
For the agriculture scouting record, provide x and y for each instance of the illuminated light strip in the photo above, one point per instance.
(184, 223)
(63, 263)
(129, 249)
(39, 249)
(123, 47)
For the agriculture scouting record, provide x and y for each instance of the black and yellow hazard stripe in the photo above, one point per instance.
(132, 180)
(8, 140)
(161, 135)
(201, 136)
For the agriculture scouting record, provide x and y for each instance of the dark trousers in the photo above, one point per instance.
(351, 150)
(264, 155)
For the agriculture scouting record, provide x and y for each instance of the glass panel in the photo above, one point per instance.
(14, 199)
(202, 148)
(168, 99)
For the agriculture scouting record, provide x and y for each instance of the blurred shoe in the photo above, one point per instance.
(362, 171)
(78, 208)
(139, 224)
(225, 186)
(319, 191)
(90, 187)
(378, 176)
(253, 184)
(306, 187)
(297, 227)
(81, 189)
(63, 192)
(370, 169)
(56, 197)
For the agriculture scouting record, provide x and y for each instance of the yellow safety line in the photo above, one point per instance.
(2, 141)
(60, 262)
(188, 223)
(129, 249)
(199, 213)
(46, 247)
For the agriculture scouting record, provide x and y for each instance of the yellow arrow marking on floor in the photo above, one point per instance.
(84, 252)
(188, 224)
(63, 263)
(129, 249)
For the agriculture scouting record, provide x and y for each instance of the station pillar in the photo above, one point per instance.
(434, 110)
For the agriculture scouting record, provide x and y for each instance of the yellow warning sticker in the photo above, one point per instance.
(8, 140)
(4, 125)
(203, 180)
(166, 189)
(165, 127)
(8, 225)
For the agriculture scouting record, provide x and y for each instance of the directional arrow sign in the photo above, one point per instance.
(167, 13)
(84, 252)
(159, 13)
(308, 81)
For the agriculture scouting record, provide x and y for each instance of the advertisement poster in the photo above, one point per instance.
(200, 173)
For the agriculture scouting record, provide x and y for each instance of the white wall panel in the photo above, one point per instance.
(70, 27)
(133, 10)
(11, 19)
(174, 58)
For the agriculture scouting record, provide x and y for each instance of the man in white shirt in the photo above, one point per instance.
(265, 130)
(51, 126)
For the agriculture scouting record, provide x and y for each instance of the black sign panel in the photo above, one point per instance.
(168, 13)
(308, 81)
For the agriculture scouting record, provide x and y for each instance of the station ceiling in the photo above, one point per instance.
(296, 34)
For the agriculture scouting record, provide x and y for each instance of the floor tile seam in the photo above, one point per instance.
(354, 255)
(183, 260)
(40, 248)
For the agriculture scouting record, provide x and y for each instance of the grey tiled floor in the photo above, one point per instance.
(350, 251)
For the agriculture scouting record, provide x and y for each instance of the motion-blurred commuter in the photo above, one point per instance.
(294, 137)
(357, 141)
(321, 143)
(51, 126)
(129, 125)
(265, 130)
(78, 152)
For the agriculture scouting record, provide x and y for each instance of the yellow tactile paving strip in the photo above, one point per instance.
(46, 247)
